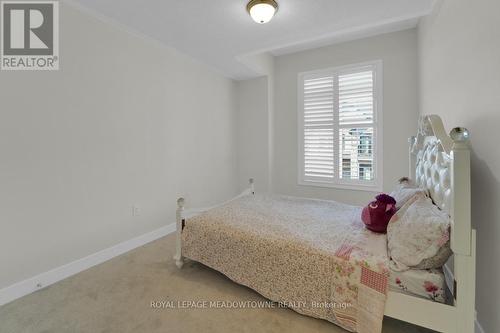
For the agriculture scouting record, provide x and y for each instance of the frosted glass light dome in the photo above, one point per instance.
(262, 11)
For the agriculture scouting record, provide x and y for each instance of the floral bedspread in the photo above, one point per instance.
(424, 283)
(314, 256)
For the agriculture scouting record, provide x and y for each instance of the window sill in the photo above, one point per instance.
(354, 187)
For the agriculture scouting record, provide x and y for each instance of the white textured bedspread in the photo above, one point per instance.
(315, 256)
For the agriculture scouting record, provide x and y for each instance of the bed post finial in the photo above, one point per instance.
(180, 203)
(252, 185)
(179, 260)
(460, 134)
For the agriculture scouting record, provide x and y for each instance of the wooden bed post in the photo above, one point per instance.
(463, 242)
(179, 260)
(461, 196)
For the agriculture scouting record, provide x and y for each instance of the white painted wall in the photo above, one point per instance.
(252, 132)
(125, 121)
(398, 51)
(459, 52)
(255, 100)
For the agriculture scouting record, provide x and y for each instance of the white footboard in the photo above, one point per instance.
(182, 214)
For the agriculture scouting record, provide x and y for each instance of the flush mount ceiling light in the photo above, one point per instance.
(262, 11)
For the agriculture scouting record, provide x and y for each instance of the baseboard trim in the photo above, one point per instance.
(23, 288)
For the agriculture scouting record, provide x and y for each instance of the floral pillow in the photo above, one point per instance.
(418, 235)
(405, 190)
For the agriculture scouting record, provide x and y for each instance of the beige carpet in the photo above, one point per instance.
(116, 297)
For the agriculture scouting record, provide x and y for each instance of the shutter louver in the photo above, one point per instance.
(318, 128)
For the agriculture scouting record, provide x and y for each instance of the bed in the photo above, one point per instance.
(292, 250)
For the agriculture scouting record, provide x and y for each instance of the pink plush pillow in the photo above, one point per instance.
(378, 213)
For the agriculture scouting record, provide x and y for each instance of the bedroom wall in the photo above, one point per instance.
(252, 135)
(398, 51)
(460, 81)
(118, 125)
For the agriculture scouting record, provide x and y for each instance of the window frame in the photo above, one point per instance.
(337, 182)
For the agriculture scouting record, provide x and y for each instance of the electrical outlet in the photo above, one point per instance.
(136, 211)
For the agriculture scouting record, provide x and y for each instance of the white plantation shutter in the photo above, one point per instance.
(356, 135)
(318, 128)
(338, 123)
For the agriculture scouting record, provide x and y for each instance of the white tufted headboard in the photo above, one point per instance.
(440, 163)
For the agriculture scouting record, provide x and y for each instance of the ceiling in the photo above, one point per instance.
(220, 33)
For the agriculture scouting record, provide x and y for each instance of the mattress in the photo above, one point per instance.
(429, 283)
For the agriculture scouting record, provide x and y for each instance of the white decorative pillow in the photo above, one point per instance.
(417, 234)
(405, 191)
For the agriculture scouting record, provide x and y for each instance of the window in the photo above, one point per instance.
(340, 127)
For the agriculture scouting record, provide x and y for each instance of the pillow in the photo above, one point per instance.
(405, 190)
(418, 235)
(378, 213)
